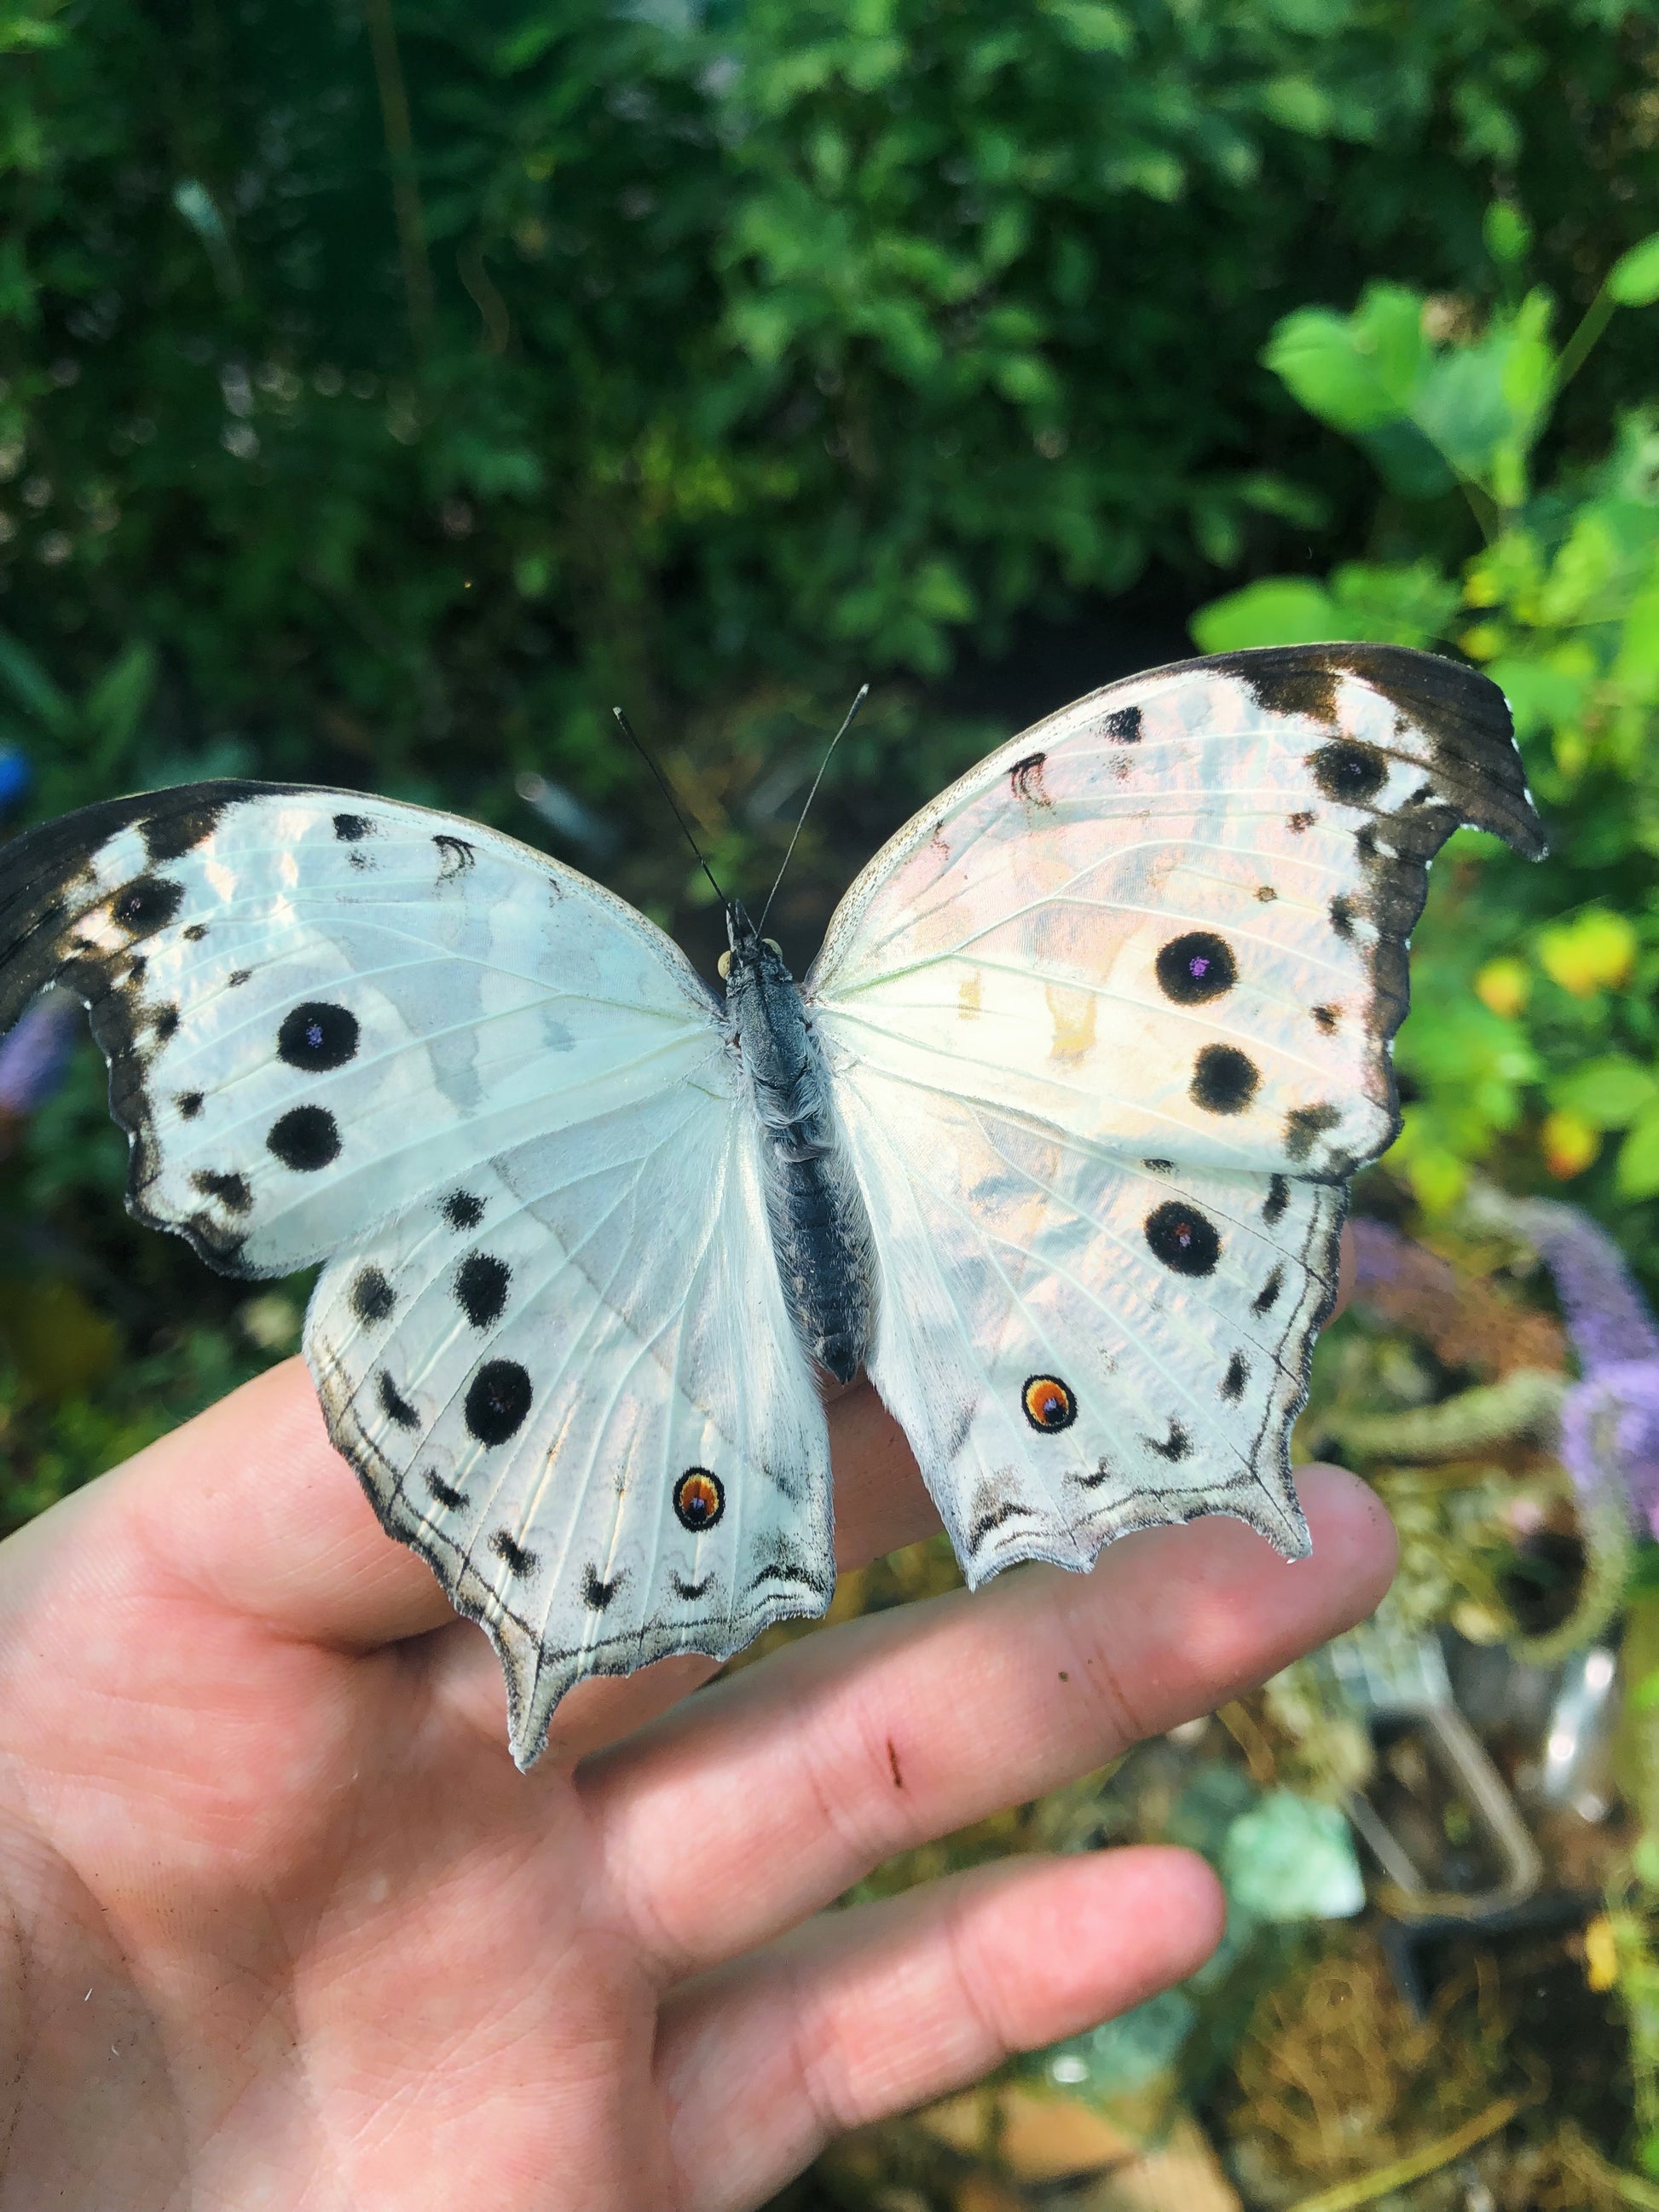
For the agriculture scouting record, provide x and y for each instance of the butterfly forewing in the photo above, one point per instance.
(338, 1025)
(1110, 1024)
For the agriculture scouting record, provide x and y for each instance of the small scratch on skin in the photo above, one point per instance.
(1073, 1013)
(893, 1765)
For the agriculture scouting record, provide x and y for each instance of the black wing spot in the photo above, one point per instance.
(1184, 1239)
(1279, 1197)
(231, 1191)
(596, 1592)
(462, 1211)
(1420, 797)
(497, 1399)
(394, 1405)
(1297, 823)
(188, 1103)
(1224, 1080)
(1365, 840)
(348, 828)
(1349, 773)
(1177, 1445)
(1327, 1018)
(691, 1591)
(1266, 895)
(1158, 1167)
(165, 1024)
(1341, 912)
(1305, 1125)
(1195, 967)
(1267, 1296)
(518, 1562)
(446, 1492)
(237, 977)
(372, 1297)
(455, 856)
(318, 1036)
(1288, 682)
(137, 969)
(1103, 1474)
(306, 1138)
(1025, 780)
(195, 934)
(1123, 728)
(1238, 1374)
(167, 836)
(148, 902)
(481, 1282)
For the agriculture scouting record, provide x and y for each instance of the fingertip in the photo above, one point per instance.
(1354, 1541)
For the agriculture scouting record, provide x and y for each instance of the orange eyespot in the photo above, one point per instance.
(1048, 1403)
(699, 1499)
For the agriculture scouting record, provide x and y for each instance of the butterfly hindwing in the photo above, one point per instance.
(1110, 1021)
(566, 1382)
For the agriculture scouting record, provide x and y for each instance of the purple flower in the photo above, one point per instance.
(32, 1056)
(1606, 1316)
(1609, 1417)
(1610, 1435)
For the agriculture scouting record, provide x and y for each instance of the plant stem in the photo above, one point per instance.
(1350, 2194)
(400, 159)
(1578, 348)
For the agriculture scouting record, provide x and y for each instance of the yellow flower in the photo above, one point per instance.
(1601, 1954)
(1594, 952)
(1568, 1142)
(1504, 986)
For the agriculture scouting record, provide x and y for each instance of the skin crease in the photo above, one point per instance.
(284, 1929)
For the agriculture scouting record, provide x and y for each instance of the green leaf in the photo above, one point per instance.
(30, 685)
(116, 702)
(1609, 1093)
(1507, 232)
(1278, 611)
(1633, 279)
(1637, 1173)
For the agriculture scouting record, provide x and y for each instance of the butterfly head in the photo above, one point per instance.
(751, 957)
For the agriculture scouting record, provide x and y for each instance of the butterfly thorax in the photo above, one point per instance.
(820, 1231)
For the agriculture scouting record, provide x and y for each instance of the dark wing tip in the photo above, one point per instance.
(41, 869)
(1462, 711)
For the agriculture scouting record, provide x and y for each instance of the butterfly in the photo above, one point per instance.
(1053, 1140)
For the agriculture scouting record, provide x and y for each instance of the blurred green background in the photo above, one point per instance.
(387, 390)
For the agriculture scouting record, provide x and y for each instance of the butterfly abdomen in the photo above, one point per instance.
(820, 1231)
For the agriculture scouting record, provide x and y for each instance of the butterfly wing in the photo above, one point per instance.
(1109, 1024)
(551, 1338)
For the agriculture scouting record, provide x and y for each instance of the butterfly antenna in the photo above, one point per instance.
(632, 735)
(864, 693)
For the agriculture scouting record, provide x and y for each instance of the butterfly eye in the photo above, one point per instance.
(699, 1500)
(723, 966)
(1049, 1404)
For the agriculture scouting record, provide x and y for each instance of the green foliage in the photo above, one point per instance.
(419, 379)
(1534, 1033)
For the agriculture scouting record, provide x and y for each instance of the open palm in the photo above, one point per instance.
(285, 1928)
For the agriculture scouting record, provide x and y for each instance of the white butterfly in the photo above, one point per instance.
(1054, 1140)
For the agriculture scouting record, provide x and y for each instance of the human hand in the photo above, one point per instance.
(285, 1928)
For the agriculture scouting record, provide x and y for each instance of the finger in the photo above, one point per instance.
(869, 2012)
(768, 1796)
